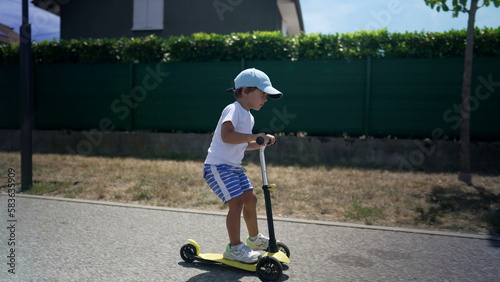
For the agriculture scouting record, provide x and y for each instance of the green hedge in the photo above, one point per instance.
(260, 45)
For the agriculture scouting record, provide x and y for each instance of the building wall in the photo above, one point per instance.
(114, 18)
(96, 19)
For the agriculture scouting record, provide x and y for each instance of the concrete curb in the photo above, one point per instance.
(292, 220)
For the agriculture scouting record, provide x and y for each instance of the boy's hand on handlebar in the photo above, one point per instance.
(269, 139)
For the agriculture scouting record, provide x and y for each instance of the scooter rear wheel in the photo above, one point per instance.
(269, 269)
(188, 252)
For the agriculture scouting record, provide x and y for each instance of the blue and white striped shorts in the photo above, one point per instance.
(227, 181)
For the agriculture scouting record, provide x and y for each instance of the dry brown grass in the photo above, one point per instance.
(366, 196)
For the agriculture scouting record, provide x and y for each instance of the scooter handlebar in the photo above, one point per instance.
(260, 140)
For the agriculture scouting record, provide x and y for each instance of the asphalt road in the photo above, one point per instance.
(58, 240)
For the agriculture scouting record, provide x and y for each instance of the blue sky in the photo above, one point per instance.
(341, 16)
(320, 16)
(44, 25)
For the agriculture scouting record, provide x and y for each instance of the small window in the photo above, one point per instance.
(148, 15)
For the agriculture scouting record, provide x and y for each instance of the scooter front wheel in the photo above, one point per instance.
(188, 252)
(269, 269)
(284, 248)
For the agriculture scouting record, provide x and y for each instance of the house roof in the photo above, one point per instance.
(7, 34)
(291, 13)
(52, 6)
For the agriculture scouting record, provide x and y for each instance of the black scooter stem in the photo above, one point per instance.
(273, 247)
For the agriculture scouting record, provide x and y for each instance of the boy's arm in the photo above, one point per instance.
(230, 136)
(252, 146)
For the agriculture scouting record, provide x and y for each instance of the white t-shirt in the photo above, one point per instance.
(225, 153)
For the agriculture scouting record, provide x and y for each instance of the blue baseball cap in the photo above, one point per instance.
(255, 78)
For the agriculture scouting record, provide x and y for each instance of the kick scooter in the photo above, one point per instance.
(269, 267)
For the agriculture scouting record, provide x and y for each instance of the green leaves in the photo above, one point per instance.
(458, 6)
(9, 53)
(259, 45)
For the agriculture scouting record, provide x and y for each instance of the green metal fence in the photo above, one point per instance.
(372, 97)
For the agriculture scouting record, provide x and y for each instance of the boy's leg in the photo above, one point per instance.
(249, 200)
(236, 249)
(233, 220)
(255, 240)
(248, 203)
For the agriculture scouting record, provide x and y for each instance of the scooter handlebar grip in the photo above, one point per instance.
(260, 141)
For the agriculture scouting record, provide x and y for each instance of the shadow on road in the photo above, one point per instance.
(220, 272)
(481, 204)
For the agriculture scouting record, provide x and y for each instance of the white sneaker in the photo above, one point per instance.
(242, 253)
(261, 243)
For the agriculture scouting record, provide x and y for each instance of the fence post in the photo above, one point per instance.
(242, 64)
(131, 126)
(27, 108)
(367, 118)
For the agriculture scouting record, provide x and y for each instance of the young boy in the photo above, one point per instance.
(223, 171)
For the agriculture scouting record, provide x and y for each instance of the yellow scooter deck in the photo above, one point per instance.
(219, 258)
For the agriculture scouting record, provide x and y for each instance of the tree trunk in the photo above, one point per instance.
(465, 173)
